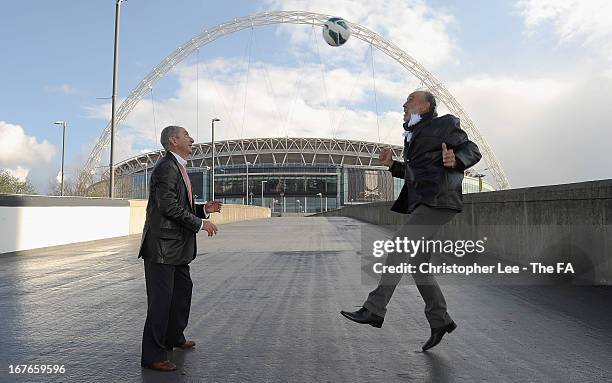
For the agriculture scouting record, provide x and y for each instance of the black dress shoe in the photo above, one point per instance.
(185, 346)
(437, 334)
(364, 316)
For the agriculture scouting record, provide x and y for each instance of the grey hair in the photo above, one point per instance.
(429, 97)
(167, 132)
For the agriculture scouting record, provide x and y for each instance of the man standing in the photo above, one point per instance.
(168, 246)
(436, 154)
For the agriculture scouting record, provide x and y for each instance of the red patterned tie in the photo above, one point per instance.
(187, 183)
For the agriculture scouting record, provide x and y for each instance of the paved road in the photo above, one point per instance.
(266, 300)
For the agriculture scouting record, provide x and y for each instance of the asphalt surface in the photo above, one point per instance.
(266, 302)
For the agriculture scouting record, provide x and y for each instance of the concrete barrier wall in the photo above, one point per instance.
(549, 224)
(237, 213)
(31, 222)
(229, 213)
(378, 213)
(138, 214)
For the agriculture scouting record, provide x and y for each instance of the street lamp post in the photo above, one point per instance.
(212, 146)
(111, 180)
(205, 184)
(63, 123)
(262, 193)
(247, 182)
(146, 193)
(282, 194)
(480, 176)
(321, 195)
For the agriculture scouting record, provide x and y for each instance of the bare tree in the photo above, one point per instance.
(55, 187)
(9, 184)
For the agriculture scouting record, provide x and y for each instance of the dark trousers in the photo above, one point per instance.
(424, 222)
(169, 300)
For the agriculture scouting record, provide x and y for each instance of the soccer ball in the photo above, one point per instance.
(336, 31)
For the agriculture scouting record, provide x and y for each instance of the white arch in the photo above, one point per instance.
(295, 17)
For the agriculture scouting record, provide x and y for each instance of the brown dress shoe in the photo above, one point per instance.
(187, 345)
(165, 366)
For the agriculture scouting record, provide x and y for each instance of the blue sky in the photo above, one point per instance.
(531, 74)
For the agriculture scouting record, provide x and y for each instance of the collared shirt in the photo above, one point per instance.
(180, 159)
(183, 162)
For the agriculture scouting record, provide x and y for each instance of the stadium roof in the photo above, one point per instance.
(277, 151)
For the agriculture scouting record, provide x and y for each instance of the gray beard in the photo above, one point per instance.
(413, 119)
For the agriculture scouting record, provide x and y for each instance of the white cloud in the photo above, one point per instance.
(24, 156)
(512, 100)
(62, 88)
(587, 22)
(543, 130)
(17, 148)
(540, 131)
(280, 101)
(285, 100)
(19, 173)
(418, 29)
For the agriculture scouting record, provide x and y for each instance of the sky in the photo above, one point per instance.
(535, 76)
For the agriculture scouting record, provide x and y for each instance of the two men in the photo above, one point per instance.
(168, 246)
(436, 154)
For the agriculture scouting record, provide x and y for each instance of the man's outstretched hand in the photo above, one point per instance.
(386, 157)
(209, 227)
(213, 206)
(448, 157)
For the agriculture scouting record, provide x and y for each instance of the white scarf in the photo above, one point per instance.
(414, 119)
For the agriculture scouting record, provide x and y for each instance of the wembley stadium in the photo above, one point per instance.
(289, 174)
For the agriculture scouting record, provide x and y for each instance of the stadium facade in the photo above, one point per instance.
(295, 174)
